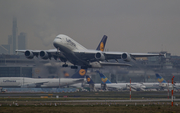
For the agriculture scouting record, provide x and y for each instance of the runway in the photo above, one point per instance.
(117, 101)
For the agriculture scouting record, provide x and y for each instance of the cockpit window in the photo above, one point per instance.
(58, 37)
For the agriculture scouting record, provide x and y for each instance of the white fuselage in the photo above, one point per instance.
(119, 86)
(37, 82)
(68, 47)
(151, 85)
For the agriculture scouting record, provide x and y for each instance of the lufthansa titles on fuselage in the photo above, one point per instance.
(70, 42)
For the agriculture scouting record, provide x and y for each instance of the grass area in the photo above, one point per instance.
(90, 109)
(35, 104)
(84, 96)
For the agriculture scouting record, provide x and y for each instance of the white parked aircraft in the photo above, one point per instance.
(36, 82)
(68, 49)
(119, 86)
(78, 77)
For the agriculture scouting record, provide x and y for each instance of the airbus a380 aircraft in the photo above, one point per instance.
(68, 49)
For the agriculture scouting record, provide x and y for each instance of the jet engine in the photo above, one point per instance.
(100, 56)
(29, 54)
(44, 55)
(126, 57)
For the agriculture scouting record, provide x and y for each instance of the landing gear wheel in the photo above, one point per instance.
(64, 65)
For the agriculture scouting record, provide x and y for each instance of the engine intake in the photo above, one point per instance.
(29, 54)
(44, 55)
(100, 56)
(126, 57)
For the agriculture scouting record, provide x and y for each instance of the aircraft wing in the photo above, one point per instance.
(37, 52)
(44, 54)
(94, 55)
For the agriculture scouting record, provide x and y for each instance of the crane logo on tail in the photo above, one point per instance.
(88, 79)
(66, 74)
(82, 72)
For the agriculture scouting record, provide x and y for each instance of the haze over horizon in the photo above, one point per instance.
(131, 26)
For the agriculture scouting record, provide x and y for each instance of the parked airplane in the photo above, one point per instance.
(161, 84)
(164, 84)
(83, 84)
(151, 86)
(68, 49)
(78, 77)
(120, 86)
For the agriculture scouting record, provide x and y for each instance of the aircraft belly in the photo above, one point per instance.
(74, 59)
(10, 85)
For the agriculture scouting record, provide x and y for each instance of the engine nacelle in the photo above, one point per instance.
(100, 56)
(44, 55)
(29, 54)
(126, 57)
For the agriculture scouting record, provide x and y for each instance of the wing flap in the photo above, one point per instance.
(90, 55)
(114, 64)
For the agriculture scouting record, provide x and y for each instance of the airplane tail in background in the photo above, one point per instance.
(80, 73)
(89, 80)
(66, 74)
(160, 78)
(104, 79)
(102, 44)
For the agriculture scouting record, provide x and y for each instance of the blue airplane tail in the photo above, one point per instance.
(89, 80)
(66, 74)
(160, 78)
(104, 79)
(102, 43)
(80, 73)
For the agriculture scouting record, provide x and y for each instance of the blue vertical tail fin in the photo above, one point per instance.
(66, 74)
(160, 78)
(104, 79)
(80, 73)
(102, 43)
(89, 80)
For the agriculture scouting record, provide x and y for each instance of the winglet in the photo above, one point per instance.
(160, 78)
(102, 43)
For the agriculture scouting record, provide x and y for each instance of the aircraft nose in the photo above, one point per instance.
(55, 42)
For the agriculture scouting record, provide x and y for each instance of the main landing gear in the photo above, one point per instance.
(64, 65)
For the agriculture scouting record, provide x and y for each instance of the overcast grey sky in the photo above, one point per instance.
(131, 25)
